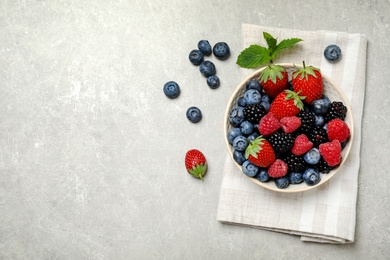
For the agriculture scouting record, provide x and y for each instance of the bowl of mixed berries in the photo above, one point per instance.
(288, 128)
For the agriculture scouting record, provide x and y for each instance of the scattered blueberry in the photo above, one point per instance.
(194, 114)
(252, 137)
(171, 89)
(205, 47)
(241, 101)
(213, 81)
(265, 98)
(262, 175)
(236, 116)
(253, 84)
(312, 156)
(332, 53)
(233, 133)
(282, 182)
(221, 50)
(249, 169)
(240, 143)
(239, 157)
(266, 105)
(196, 57)
(320, 120)
(311, 176)
(207, 68)
(252, 96)
(295, 177)
(246, 128)
(320, 106)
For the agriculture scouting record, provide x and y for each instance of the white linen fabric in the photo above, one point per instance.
(326, 214)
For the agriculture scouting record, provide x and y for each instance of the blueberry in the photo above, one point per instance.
(196, 57)
(252, 137)
(253, 84)
(266, 105)
(233, 133)
(240, 143)
(320, 106)
(282, 182)
(241, 101)
(249, 169)
(262, 175)
(295, 177)
(194, 114)
(312, 156)
(311, 176)
(246, 128)
(236, 116)
(221, 50)
(207, 68)
(171, 89)
(239, 157)
(213, 81)
(204, 47)
(252, 96)
(265, 98)
(332, 53)
(320, 120)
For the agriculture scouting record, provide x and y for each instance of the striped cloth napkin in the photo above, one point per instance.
(326, 214)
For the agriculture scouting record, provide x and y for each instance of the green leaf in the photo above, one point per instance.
(271, 41)
(253, 56)
(285, 44)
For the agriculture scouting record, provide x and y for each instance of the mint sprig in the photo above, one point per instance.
(256, 55)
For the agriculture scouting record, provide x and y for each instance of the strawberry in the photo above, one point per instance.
(274, 79)
(302, 144)
(331, 152)
(260, 152)
(338, 129)
(308, 82)
(278, 169)
(268, 124)
(290, 123)
(196, 164)
(286, 103)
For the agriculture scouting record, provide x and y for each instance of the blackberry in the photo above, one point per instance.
(323, 167)
(281, 142)
(253, 113)
(318, 136)
(295, 163)
(336, 110)
(307, 121)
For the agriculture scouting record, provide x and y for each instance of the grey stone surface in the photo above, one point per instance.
(91, 151)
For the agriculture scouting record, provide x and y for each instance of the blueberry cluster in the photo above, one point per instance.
(207, 68)
(305, 168)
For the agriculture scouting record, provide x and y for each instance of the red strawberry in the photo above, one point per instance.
(196, 164)
(331, 152)
(268, 124)
(338, 130)
(290, 123)
(274, 79)
(260, 152)
(278, 169)
(308, 82)
(302, 144)
(286, 103)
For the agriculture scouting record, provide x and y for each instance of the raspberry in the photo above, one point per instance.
(331, 152)
(277, 169)
(338, 130)
(301, 145)
(290, 123)
(268, 124)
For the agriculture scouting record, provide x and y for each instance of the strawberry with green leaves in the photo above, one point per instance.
(196, 163)
(260, 152)
(308, 81)
(274, 79)
(287, 103)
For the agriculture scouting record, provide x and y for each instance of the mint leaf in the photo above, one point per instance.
(271, 41)
(285, 44)
(253, 56)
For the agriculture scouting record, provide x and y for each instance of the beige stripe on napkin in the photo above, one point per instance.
(326, 214)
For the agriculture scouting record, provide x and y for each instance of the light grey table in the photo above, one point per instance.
(91, 151)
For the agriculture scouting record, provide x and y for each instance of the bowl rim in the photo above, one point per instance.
(328, 176)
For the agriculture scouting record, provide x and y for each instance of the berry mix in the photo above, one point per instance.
(286, 131)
